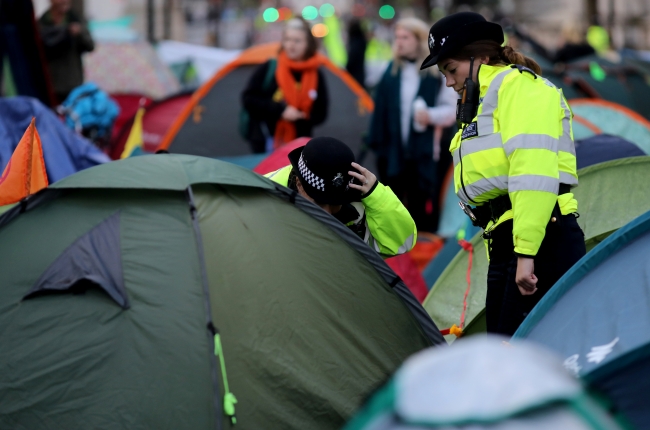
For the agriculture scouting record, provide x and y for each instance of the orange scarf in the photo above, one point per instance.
(298, 96)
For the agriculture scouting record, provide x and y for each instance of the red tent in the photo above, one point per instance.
(155, 123)
(129, 104)
(280, 157)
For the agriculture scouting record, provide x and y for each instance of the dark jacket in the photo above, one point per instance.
(357, 45)
(385, 136)
(261, 107)
(63, 51)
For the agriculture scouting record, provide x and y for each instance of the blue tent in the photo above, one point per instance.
(598, 318)
(65, 152)
(604, 147)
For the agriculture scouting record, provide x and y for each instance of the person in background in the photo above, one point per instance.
(357, 44)
(572, 45)
(413, 113)
(325, 172)
(286, 98)
(65, 37)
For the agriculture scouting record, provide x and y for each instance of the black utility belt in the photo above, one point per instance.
(493, 209)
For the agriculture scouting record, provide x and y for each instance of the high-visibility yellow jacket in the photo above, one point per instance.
(383, 221)
(521, 144)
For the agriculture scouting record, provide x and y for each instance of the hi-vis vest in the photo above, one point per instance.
(521, 144)
(389, 228)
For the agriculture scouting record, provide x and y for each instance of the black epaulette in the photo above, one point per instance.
(523, 69)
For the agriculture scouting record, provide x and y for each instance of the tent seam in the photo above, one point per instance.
(206, 298)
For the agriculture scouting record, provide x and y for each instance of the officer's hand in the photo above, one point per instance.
(365, 177)
(525, 278)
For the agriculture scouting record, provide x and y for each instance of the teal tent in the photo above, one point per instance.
(594, 116)
(121, 282)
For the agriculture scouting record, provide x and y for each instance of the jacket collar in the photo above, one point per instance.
(486, 75)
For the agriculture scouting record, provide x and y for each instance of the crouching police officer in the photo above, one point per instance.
(514, 164)
(324, 172)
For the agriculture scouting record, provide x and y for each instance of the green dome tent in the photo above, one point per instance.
(120, 282)
(609, 196)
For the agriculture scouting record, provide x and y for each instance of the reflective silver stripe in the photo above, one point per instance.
(533, 183)
(456, 157)
(566, 143)
(375, 244)
(482, 186)
(490, 101)
(481, 143)
(406, 247)
(568, 178)
(477, 144)
(547, 82)
(531, 141)
(367, 237)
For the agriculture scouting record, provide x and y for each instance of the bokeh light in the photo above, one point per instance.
(285, 13)
(271, 15)
(320, 30)
(327, 10)
(310, 13)
(387, 12)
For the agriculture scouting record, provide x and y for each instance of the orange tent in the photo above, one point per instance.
(25, 173)
(208, 125)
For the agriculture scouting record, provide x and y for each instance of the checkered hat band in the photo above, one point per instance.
(309, 176)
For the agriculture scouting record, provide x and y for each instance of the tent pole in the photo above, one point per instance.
(167, 19)
(151, 24)
(209, 325)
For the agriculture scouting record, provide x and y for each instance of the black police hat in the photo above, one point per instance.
(322, 166)
(450, 34)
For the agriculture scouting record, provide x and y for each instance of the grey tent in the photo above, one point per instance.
(482, 384)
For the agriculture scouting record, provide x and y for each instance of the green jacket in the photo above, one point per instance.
(380, 219)
(520, 144)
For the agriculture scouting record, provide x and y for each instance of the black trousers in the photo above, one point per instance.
(562, 247)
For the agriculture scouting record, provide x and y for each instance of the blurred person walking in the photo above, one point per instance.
(65, 37)
(357, 45)
(571, 46)
(286, 97)
(514, 162)
(411, 107)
